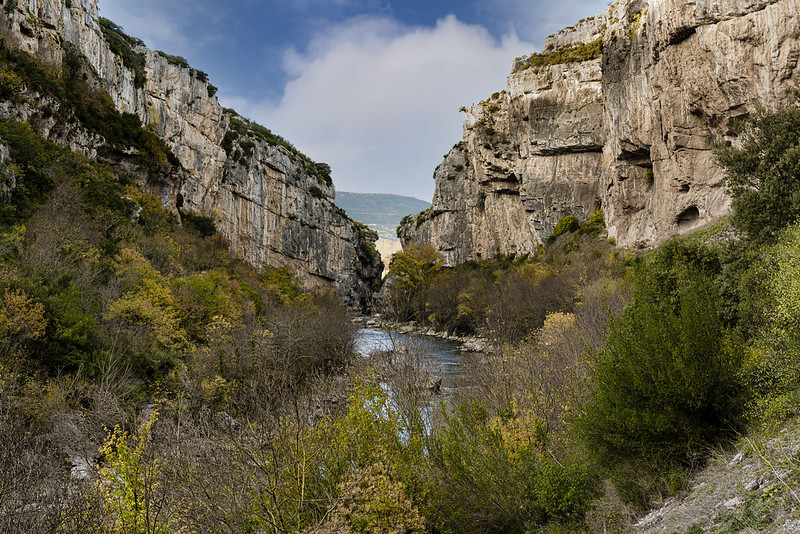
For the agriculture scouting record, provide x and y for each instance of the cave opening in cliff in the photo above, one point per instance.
(688, 217)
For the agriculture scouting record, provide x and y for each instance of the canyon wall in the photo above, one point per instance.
(272, 203)
(618, 112)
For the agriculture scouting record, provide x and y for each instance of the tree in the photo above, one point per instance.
(412, 269)
(21, 321)
(666, 383)
(773, 361)
(763, 172)
(130, 482)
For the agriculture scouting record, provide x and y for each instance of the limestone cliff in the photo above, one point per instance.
(618, 112)
(272, 203)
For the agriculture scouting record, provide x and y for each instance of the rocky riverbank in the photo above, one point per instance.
(466, 343)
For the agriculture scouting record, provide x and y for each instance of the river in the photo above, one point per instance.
(440, 357)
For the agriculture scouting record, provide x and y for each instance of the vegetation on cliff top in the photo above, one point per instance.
(565, 54)
(241, 133)
(123, 45)
(76, 100)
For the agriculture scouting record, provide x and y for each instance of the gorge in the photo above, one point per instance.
(178, 347)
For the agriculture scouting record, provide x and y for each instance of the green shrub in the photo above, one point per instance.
(564, 225)
(565, 54)
(594, 224)
(33, 183)
(763, 173)
(666, 385)
(179, 61)
(324, 173)
(205, 298)
(773, 361)
(493, 474)
(204, 225)
(122, 45)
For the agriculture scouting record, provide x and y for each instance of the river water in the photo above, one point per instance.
(440, 357)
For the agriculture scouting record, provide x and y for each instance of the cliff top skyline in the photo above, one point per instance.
(371, 87)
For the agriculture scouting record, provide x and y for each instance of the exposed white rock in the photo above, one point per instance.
(271, 207)
(631, 131)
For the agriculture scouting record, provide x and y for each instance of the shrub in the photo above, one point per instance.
(666, 384)
(147, 302)
(21, 321)
(30, 152)
(763, 173)
(132, 492)
(179, 61)
(204, 225)
(324, 173)
(370, 501)
(122, 45)
(566, 224)
(773, 362)
(313, 333)
(594, 224)
(207, 297)
(494, 474)
(565, 54)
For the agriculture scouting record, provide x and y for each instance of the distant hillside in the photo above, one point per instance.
(379, 211)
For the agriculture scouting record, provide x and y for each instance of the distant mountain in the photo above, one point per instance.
(379, 211)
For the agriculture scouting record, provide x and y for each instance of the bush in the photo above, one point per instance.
(324, 173)
(763, 173)
(494, 474)
(565, 54)
(370, 501)
(594, 224)
(773, 362)
(566, 224)
(203, 224)
(666, 384)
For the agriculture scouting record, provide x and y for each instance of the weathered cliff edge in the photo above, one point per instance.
(629, 129)
(271, 203)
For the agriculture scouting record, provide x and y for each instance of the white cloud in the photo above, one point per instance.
(379, 101)
(535, 19)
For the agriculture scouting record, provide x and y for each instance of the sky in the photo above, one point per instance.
(371, 87)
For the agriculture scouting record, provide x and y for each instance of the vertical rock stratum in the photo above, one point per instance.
(618, 112)
(273, 204)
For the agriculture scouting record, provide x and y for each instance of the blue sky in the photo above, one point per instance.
(371, 87)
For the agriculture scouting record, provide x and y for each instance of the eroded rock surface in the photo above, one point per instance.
(269, 200)
(630, 130)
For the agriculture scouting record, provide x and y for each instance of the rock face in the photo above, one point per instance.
(629, 129)
(272, 203)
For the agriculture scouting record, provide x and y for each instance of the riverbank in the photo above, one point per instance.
(466, 343)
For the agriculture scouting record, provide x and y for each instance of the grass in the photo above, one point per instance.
(567, 54)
